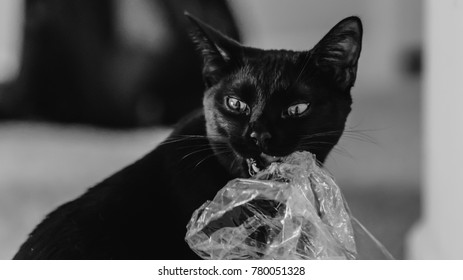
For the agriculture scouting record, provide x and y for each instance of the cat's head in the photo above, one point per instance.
(261, 105)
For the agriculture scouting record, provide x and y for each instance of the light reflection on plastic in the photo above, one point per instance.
(291, 210)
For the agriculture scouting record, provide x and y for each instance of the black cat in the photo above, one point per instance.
(259, 105)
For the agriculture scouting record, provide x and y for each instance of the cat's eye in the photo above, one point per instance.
(237, 105)
(296, 110)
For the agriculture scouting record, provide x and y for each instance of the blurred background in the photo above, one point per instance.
(87, 87)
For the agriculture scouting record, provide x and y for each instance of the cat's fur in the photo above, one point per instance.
(142, 211)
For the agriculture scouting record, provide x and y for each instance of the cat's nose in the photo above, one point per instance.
(260, 139)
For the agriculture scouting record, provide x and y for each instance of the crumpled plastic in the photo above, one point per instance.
(291, 210)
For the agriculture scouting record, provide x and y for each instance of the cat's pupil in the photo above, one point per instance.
(297, 110)
(237, 105)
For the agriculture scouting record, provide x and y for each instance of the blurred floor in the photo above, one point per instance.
(44, 165)
(387, 213)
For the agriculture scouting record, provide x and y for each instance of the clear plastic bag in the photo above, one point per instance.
(291, 210)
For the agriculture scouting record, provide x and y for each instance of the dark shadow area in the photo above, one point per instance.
(110, 63)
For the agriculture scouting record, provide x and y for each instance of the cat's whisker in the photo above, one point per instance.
(343, 152)
(203, 145)
(174, 140)
(180, 138)
(196, 152)
(360, 136)
(351, 134)
(232, 165)
(189, 164)
(355, 128)
(325, 133)
(171, 141)
(335, 149)
(212, 149)
(212, 155)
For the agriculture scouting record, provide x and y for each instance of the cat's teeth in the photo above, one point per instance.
(269, 158)
(252, 164)
(255, 168)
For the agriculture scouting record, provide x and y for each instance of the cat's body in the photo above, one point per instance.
(259, 106)
(139, 211)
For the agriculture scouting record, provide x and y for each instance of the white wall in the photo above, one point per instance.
(439, 234)
(390, 26)
(10, 37)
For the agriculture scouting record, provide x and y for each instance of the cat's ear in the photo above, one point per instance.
(218, 51)
(338, 52)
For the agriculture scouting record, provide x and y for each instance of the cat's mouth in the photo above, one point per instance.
(256, 164)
